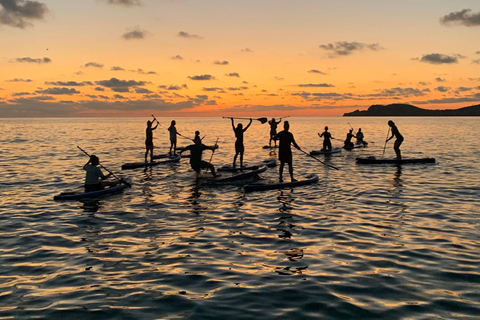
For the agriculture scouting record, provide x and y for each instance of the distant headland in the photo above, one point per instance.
(407, 110)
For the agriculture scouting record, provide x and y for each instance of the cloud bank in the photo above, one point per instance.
(19, 13)
(344, 48)
(464, 17)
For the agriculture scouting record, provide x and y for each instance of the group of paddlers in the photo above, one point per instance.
(94, 176)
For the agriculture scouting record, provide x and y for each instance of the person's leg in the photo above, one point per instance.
(151, 153)
(396, 147)
(241, 159)
(175, 147)
(290, 168)
(280, 171)
(235, 158)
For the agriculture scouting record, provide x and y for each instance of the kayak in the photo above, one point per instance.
(356, 145)
(312, 178)
(134, 165)
(269, 163)
(238, 177)
(373, 160)
(81, 194)
(333, 150)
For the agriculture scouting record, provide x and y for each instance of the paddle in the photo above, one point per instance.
(184, 137)
(155, 119)
(284, 117)
(262, 120)
(113, 175)
(326, 164)
(215, 147)
(386, 140)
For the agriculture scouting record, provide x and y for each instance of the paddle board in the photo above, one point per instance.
(81, 194)
(373, 160)
(333, 150)
(312, 178)
(134, 165)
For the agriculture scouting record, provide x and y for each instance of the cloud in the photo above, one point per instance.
(439, 79)
(442, 89)
(316, 85)
(472, 98)
(247, 50)
(32, 60)
(140, 71)
(173, 87)
(316, 71)
(134, 34)
(126, 3)
(438, 58)
(93, 64)
(58, 90)
(117, 69)
(18, 13)
(237, 88)
(213, 89)
(183, 34)
(344, 48)
(19, 80)
(69, 83)
(222, 63)
(202, 77)
(177, 57)
(120, 85)
(233, 74)
(142, 90)
(464, 17)
(476, 61)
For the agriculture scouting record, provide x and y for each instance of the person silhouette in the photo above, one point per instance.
(360, 137)
(196, 161)
(327, 144)
(239, 147)
(398, 136)
(273, 131)
(173, 138)
(285, 151)
(348, 144)
(149, 139)
(94, 177)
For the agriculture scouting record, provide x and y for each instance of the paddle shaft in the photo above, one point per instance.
(262, 120)
(113, 175)
(386, 140)
(214, 147)
(326, 164)
(155, 119)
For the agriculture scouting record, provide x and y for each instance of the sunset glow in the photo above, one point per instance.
(66, 58)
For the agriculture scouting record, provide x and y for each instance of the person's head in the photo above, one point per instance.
(94, 160)
(350, 131)
(359, 129)
(173, 122)
(240, 126)
(286, 125)
(326, 128)
(149, 123)
(391, 123)
(197, 133)
(273, 119)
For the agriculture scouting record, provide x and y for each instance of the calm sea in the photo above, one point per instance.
(365, 242)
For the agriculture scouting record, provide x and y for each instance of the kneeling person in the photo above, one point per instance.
(196, 161)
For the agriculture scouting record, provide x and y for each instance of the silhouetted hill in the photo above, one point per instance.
(407, 110)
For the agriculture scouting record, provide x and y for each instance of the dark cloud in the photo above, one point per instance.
(398, 92)
(142, 90)
(141, 71)
(69, 83)
(344, 48)
(117, 69)
(442, 89)
(126, 3)
(177, 57)
(213, 89)
(438, 58)
(32, 60)
(58, 90)
(316, 85)
(117, 85)
(19, 13)
(183, 34)
(237, 88)
(316, 71)
(233, 74)
(19, 94)
(93, 64)
(472, 98)
(134, 34)
(440, 79)
(222, 63)
(464, 17)
(202, 77)
(174, 87)
(19, 80)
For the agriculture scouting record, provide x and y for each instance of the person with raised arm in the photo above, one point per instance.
(239, 147)
(348, 144)
(149, 139)
(285, 151)
(196, 161)
(273, 131)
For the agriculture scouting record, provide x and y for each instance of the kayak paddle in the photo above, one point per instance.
(113, 175)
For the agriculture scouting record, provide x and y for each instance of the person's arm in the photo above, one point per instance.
(155, 126)
(233, 124)
(279, 121)
(295, 144)
(248, 125)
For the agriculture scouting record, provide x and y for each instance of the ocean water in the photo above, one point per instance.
(365, 242)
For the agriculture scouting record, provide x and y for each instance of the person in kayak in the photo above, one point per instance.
(398, 141)
(196, 161)
(348, 144)
(94, 177)
(149, 139)
(239, 147)
(273, 131)
(285, 151)
(327, 144)
(173, 138)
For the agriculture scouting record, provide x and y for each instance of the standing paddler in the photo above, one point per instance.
(273, 131)
(398, 142)
(285, 151)
(327, 144)
(149, 139)
(239, 147)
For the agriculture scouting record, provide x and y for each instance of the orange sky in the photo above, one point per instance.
(248, 58)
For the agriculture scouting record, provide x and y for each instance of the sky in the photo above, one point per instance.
(94, 58)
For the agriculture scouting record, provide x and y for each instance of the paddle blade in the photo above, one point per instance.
(262, 120)
(125, 182)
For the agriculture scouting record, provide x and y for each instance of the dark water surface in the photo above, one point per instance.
(365, 242)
